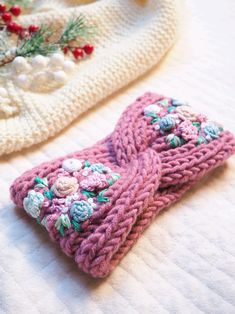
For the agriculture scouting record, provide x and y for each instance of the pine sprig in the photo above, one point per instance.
(23, 3)
(75, 29)
(37, 44)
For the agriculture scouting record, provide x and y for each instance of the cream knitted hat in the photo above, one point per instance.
(132, 36)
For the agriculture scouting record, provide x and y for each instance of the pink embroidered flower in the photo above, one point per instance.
(188, 130)
(187, 113)
(96, 181)
(64, 186)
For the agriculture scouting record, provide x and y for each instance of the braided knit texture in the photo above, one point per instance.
(153, 176)
(132, 36)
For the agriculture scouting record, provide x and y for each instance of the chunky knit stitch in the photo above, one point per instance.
(132, 36)
(149, 175)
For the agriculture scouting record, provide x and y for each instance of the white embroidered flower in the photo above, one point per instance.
(152, 109)
(33, 203)
(71, 165)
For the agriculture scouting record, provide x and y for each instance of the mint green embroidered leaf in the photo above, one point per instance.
(151, 114)
(88, 193)
(41, 183)
(221, 129)
(163, 102)
(154, 120)
(201, 140)
(61, 230)
(49, 194)
(114, 178)
(87, 164)
(76, 225)
(38, 221)
(170, 109)
(197, 125)
(101, 198)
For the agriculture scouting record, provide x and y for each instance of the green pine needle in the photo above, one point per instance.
(37, 44)
(75, 29)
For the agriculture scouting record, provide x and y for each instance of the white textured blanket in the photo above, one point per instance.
(185, 262)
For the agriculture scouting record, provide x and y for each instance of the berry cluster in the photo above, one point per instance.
(79, 52)
(6, 21)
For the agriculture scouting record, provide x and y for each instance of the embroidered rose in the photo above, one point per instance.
(65, 186)
(166, 123)
(81, 211)
(211, 130)
(96, 181)
(187, 113)
(33, 203)
(188, 130)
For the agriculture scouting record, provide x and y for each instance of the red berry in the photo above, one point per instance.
(2, 7)
(15, 10)
(78, 53)
(14, 28)
(24, 34)
(7, 17)
(33, 28)
(65, 49)
(88, 49)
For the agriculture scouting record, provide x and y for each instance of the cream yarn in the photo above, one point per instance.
(132, 37)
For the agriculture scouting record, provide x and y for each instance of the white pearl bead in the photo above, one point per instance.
(152, 109)
(72, 164)
(20, 64)
(42, 77)
(57, 59)
(39, 62)
(69, 66)
(60, 77)
(23, 81)
(3, 92)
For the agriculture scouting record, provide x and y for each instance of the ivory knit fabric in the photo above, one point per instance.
(147, 175)
(132, 36)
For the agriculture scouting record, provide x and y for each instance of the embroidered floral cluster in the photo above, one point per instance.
(77, 191)
(180, 123)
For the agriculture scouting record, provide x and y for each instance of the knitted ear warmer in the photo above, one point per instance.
(42, 94)
(96, 203)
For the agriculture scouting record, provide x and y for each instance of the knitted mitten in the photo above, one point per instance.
(96, 203)
(40, 95)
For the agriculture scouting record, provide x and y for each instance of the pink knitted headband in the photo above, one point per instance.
(97, 202)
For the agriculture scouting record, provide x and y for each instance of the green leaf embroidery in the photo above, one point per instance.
(87, 164)
(101, 198)
(61, 230)
(49, 194)
(170, 109)
(41, 183)
(113, 179)
(163, 102)
(76, 225)
(154, 120)
(88, 193)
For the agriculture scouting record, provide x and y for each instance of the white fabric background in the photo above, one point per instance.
(185, 262)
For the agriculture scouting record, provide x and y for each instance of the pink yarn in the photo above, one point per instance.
(153, 176)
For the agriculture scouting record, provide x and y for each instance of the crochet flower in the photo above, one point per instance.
(95, 181)
(64, 186)
(72, 164)
(166, 123)
(81, 211)
(152, 110)
(186, 113)
(100, 168)
(211, 130)
(33, 203)
(188, 130)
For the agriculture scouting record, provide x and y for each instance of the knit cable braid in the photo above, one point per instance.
(97, 202)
